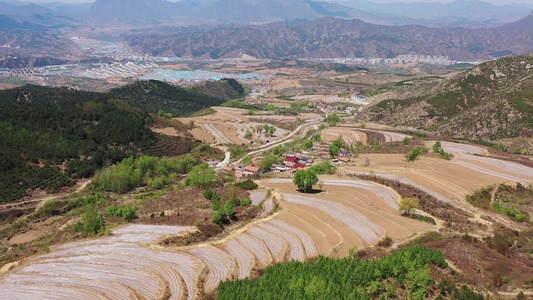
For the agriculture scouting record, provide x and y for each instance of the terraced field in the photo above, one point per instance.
(344, 213)
(127, 264)
(446, 180)
(349, 135)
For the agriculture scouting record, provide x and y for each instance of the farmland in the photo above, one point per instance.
(230, 125)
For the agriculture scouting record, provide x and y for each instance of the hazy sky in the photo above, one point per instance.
(498, 2)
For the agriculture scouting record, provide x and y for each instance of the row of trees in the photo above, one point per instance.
(330, 278)
(132, 172)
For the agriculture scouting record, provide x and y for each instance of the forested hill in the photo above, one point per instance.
(154, 95)
(48, 130)
(39, 94)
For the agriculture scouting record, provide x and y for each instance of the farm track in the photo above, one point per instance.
(222, 139)
(268, 206)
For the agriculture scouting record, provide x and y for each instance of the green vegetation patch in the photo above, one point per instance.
(63, 129)
(406, 270)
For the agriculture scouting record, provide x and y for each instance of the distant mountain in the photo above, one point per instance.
(196, 12)
(22, 10)
(333, 37)
(491, 101)
(462, 11)
(9, 23)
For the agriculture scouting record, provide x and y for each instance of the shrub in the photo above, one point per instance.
(247, 185)
(245, 202)
(413, 154)
(208, 194)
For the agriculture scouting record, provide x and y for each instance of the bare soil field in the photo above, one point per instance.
(452, 180)
(349, 135)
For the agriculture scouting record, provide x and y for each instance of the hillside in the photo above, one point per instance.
(489, 102)
(333, 37)
(49, 137)
(47, 142)
(153, 96)
(24, 41)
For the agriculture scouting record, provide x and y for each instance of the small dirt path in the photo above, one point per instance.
(42, 200)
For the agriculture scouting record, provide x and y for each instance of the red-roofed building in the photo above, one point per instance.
(289, 158)
(321, 153)
(251, 169)
(256, 159)
(344, 159)
(295, 166)
(227, 169)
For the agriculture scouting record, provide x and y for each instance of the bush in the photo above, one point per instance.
(220, 217)
(208, 194)
(247, 185)
(245, 202)
(93, 222)
(200, 175)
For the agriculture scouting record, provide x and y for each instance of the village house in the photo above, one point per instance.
(291, 159)
(251, 170)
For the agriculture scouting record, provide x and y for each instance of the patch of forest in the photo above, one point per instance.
(58, 135)
(154, 96)
(404, 274)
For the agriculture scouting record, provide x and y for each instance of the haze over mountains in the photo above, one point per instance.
(139, 12)
(229, 29)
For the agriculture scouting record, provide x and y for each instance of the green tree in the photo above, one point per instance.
(200, 175)
(161, 113)
(271, 130)
(317, 137)
(338, 142)
(305, 179)
(437, 147)
(248, 134)
(408, 205)
(267, 162)
(406, 141)
(229, 208)
(220, 217)
(413, 154)
(334, 151)
(307, 144)
(93, 222)
(128, 212)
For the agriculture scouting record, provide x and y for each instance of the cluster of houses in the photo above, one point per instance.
(292, 162)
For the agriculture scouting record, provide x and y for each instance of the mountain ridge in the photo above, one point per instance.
(336, 37)
(491, 101)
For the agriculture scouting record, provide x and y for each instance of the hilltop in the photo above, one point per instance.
(490, 101)
(154, 95)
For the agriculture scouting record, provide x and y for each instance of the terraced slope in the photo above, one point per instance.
(125, 265)
(346, 213)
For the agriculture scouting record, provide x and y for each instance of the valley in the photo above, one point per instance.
(228, 149)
